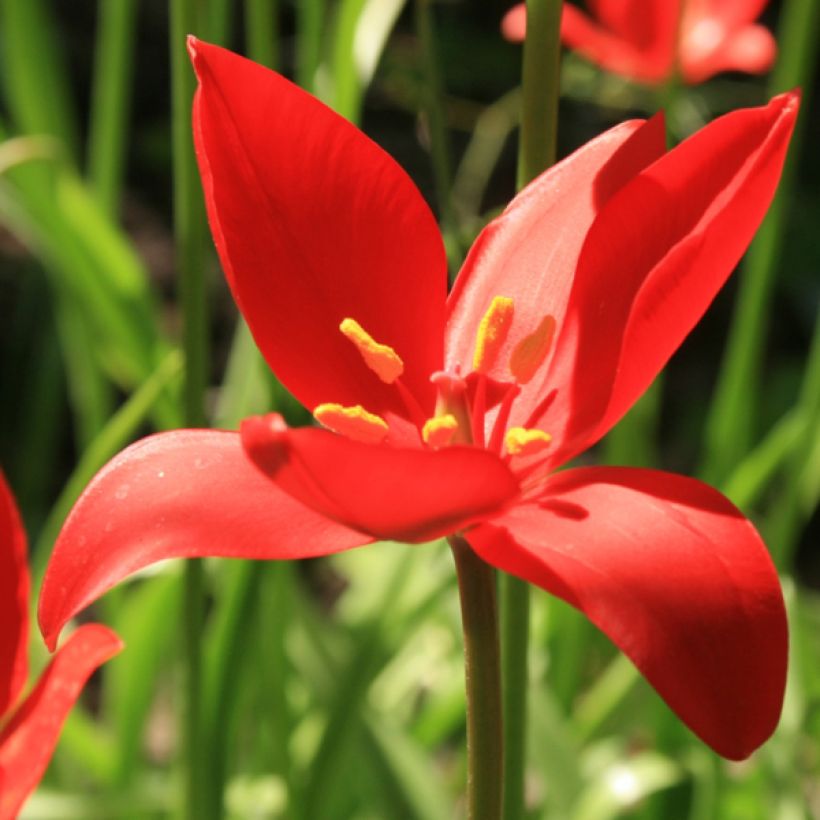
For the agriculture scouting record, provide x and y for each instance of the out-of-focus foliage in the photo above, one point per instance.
(334, 689)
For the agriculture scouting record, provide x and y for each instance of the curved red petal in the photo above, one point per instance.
(751, 49)
(675, 576)
(634, 39)
(652, 263)
(314, 223)
(14, 591)
(731, 14)
(28, 740)
(401, 494)
(641, 22)
(530, 252)
(184, 494)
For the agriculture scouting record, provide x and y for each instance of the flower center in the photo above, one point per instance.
(463, 402)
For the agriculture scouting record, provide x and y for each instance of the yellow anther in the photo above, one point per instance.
(529, 354)
(439, 430)
(353, 422)
(381, 359)
(492, 333)
(523, 442)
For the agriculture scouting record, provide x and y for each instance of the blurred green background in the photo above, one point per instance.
(334, 688)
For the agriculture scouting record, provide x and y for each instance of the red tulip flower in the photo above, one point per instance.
(452, 414)
(29, 730)
(649, 40)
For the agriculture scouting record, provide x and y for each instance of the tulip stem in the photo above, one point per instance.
(111, 98)
(540, 83)
(482, 665)
(540, 86)
(435, 115)
(189, 226)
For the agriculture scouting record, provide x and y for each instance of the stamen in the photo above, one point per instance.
(452, 400)
(381, 359)
(439, 430)
(529, 354)
(492, 333)
(354, 422)
(479, 410)
(523, 442)
(500, 424)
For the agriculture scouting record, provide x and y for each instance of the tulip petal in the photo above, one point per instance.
(638, 21)
(14, 591)
(751, 49)
(183, 494)
(28, 740)
(652, 263)
(401, 494)
(314, 223)
(530, 252)
(675, 575)
(632, 38)
(731, 14)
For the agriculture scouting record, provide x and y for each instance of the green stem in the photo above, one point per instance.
(540, 81)
(113, 64)
(310, 14)
(219, 21)
(515, 629)
(189, 235)
(730, 428)
(227, 662)
(540, 85)
(439, 138)
(477, 588)
(787, 516)
(262, 31)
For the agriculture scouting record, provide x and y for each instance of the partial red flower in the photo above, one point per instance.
(29, 730)
(648, 40)
(451, 414)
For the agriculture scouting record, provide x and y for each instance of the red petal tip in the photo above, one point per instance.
(264, 439)
(192, 43)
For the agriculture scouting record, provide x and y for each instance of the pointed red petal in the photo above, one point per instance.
(28, 740)
(184, 494)
(530, 252)
(675, 576)
(315, 223)
(401, 494)
(14, 589)
(652, 263)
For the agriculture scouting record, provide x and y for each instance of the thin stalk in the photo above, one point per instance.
(227, 661)
(787, 517)
(113, 67)
(540, 85)
(477, 589)
(262, 31)
(327, 769)
(730, 428)
(433, 108)
(188, 230)
(220, 21)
